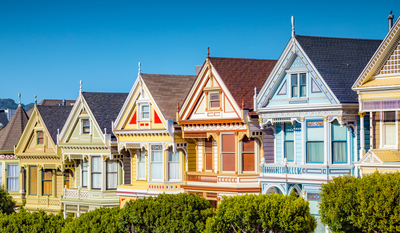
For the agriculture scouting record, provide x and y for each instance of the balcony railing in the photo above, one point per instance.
(202, 178)
(281, 170)
(44, 201)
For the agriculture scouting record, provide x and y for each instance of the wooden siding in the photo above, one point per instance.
(268, 144)
(78, 175)
(376, 130)
(192, 156)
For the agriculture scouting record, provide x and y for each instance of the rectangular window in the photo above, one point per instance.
(209, 154)
(40, 137)
(228, 152)
(156, 165)
(84, 174)
(142, 165)
(248, 157)
(145, 112)
(32, 180)
(86, 126)
(294, 85)
(389, 121)
(303, 85)
(112, 174)
(289, 142)
(12, 178)
(315, 142)
(46, 182)
(96, 172)
(339, 143)
(67, 176)
(214, 100)
(174, 170)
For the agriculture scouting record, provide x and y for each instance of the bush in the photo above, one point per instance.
(7, 204)
(100, 220)
(166, 213)
(262, 213)
(35, 222)
(368, 204)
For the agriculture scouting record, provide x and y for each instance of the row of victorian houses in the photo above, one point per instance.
(327, 107)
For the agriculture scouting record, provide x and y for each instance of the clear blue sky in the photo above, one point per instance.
(46, 47)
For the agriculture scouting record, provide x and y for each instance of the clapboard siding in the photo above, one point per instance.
(268, 143)
(376, 130)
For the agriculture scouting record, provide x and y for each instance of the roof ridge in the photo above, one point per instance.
(332, 37)
(171, 74)
(237, 58)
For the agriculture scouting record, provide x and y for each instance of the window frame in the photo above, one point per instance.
(141, 112)
(108, 172)
(12, 177)
(170, 151)
(222, 153)
(210, 101)
(38, 138)
(153, 149)
(51, 182)
(254, 152)
(97, 172)
(86, 126)
(285, 140)
(333, 141)
(297, 76)
(319, 141)
(212, 154)
(384, 123)
(138, 161)
(87, 172)
(30, 176)
(68, 171)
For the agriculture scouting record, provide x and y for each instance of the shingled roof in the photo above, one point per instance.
(10, 135)
(168, 90)
(3, 118)
(49, 102)
(339, 61)
(105, 107)
(241, 75)
(54, 118)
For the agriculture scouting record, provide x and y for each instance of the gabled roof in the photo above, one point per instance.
(11, 134)
(339, 61)
(49, 102)
(241, 75)
(105, 107)
(3, 118)
(168, 90)
(54, 118)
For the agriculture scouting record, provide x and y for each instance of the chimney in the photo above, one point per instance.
(63, 102)
(390, 19)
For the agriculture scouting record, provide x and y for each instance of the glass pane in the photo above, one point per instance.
(339, 154)
(248, 144)
(294, 79)
(46, 187)
(315, 152)
(315, 133)
(84, 179)
(86, 123)
(209, 145)
(12, 184)
(303, 79)
(389, 116)
(96, 181)
(156, 170)
(228, 142)
(209, 161)
(112, 166)
(145, 115)
(112, 181)
(289, 151)
(303, 91)
(173, 171)
(248, 162)
(47, 175)
(173, 157)
(338, 133)
(40, 133)
(390, 134)
(294, 91)
(12, 170)
(228, 162)
(142, 156)
(33, 180)
(289, 135)
(96, 164)
(156, 156)
(142, 170)
(145, 108)
(85, 166)
(40, 141)
(214, 96)
(215, 104)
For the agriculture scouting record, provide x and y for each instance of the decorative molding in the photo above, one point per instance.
(214, 127)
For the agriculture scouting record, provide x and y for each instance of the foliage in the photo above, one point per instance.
(368, 204)
(166, 213)
(262, 213)
(100, 220)
(10, 103)
(7, 204)
(35, 222)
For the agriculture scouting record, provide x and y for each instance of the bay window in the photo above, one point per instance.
(289, 142)
(248, 158)
(156, 164)
(315, 141)
(96, 172)
(112, 174)
(339, 143)
(228, 152)
(174, 170)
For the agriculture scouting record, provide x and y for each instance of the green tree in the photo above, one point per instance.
(7, 204)
(101, 220)
(166, 213)
(368, 204)
(35, 222)
(262, 213)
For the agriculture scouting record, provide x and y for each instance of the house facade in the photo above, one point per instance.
(91, 169)
(379, 105)
(217, 121)
(146, 129)
(308, 103)
(40, 159)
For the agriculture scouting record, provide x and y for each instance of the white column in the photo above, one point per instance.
(362, 134)
(215, 146)
(294, 141)
(371, 131)
(89, 173)
(103, 174)
(303, 140)
(326, 139)
(200, 155)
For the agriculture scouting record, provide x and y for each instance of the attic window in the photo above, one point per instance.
(86, 126)
(214, 100)
(40, 137)
(145, 112)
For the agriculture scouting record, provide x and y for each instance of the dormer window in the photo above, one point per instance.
(86, 126)
(214, 100)
(40, 137)
(299, 85)
(145, 112)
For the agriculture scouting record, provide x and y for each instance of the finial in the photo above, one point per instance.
(208, 51)
(19, 99)
(80, 88)
(35, 99)
(139, 68)
(292, 26)
(255, 90)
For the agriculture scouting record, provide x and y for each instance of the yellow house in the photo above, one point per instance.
(146, 128)
(11, 173)
(378, 88)
(40, 157)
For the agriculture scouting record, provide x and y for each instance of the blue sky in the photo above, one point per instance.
(46, 47)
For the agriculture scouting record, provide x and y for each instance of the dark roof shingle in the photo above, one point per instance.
(339, 61)
(241, 75)
(168, 90)
(54, 118)
(105, 107)
(11, 134)
(49, 102)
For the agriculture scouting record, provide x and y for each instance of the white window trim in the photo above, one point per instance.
(180, 167)
(140, 111)
(256, 155)
(222, 157)
(163, 165)
(383, 131)
(138, 151)
(298, 72)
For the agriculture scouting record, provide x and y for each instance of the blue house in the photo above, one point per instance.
(308, 102)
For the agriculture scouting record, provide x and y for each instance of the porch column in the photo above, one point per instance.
(104, 175)
(39, 181)
(200, 155)
(89, 173)
(325, 139)
(21, 180)
(362, 135)
(303, 140)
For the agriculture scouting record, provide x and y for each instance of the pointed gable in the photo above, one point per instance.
(54, 118)
(11, 134)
